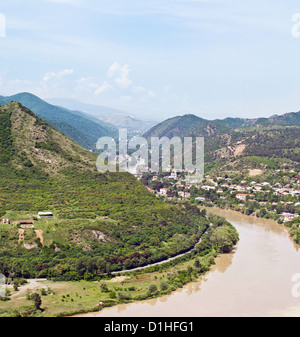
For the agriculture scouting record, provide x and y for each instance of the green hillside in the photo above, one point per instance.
(101, 222)
(80, 127)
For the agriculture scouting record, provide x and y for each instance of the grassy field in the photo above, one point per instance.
(52, 229)
(69, 298)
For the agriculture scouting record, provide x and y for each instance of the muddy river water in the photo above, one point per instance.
(261, 277)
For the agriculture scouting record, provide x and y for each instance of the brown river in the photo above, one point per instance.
(254, 280)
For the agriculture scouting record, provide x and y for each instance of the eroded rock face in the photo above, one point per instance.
(30, 246)
(99, 235)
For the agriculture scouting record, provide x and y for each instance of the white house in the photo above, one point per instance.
(243, 196)
(45, 214)
(200, 199)
(288, 216)
(164, 191)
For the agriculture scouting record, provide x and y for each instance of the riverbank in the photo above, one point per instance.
(293, 230)
(70, 298)
(253, 280)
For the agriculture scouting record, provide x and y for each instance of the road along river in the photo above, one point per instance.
(261, 277)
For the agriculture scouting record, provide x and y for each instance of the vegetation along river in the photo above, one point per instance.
(256, 279)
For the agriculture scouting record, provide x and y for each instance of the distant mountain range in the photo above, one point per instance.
(191, 125)
(226, 140)
(116, 117)
(85, 127)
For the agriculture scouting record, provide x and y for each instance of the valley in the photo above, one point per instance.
(149, 233)
(149, 161)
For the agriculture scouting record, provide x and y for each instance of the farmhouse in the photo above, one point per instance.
(25, 222)
(45, 214)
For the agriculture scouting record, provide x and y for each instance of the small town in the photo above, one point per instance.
(276, 198)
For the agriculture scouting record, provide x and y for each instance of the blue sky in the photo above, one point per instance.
(155, 59)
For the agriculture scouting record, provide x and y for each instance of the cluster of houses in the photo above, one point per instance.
(242, 191)
(254, 187)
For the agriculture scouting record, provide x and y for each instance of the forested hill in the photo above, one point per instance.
(226, 140)
(101, 221)
(84, 129)
(29, 144)
(191, 125)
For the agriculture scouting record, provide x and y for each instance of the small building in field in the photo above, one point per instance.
(45, 214)
(26, 222)
(5, 221)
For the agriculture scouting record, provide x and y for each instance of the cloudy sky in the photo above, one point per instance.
(156, 58)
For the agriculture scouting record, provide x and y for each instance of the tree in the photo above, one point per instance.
(164, 285)
(224, 237)
(37, 301)
(104, 288)
(189, 270)
(197, 263)
(152, 288)
(16, 285)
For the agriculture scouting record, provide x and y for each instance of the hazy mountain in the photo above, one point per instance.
(116, 117)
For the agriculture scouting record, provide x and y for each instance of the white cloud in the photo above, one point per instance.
(88, 85)
(105, 86)
(120, 73)
(58, 75)
(139, 89)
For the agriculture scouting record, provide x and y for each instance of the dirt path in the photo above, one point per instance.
(21, 235)
(33, 284)
(39, 235)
